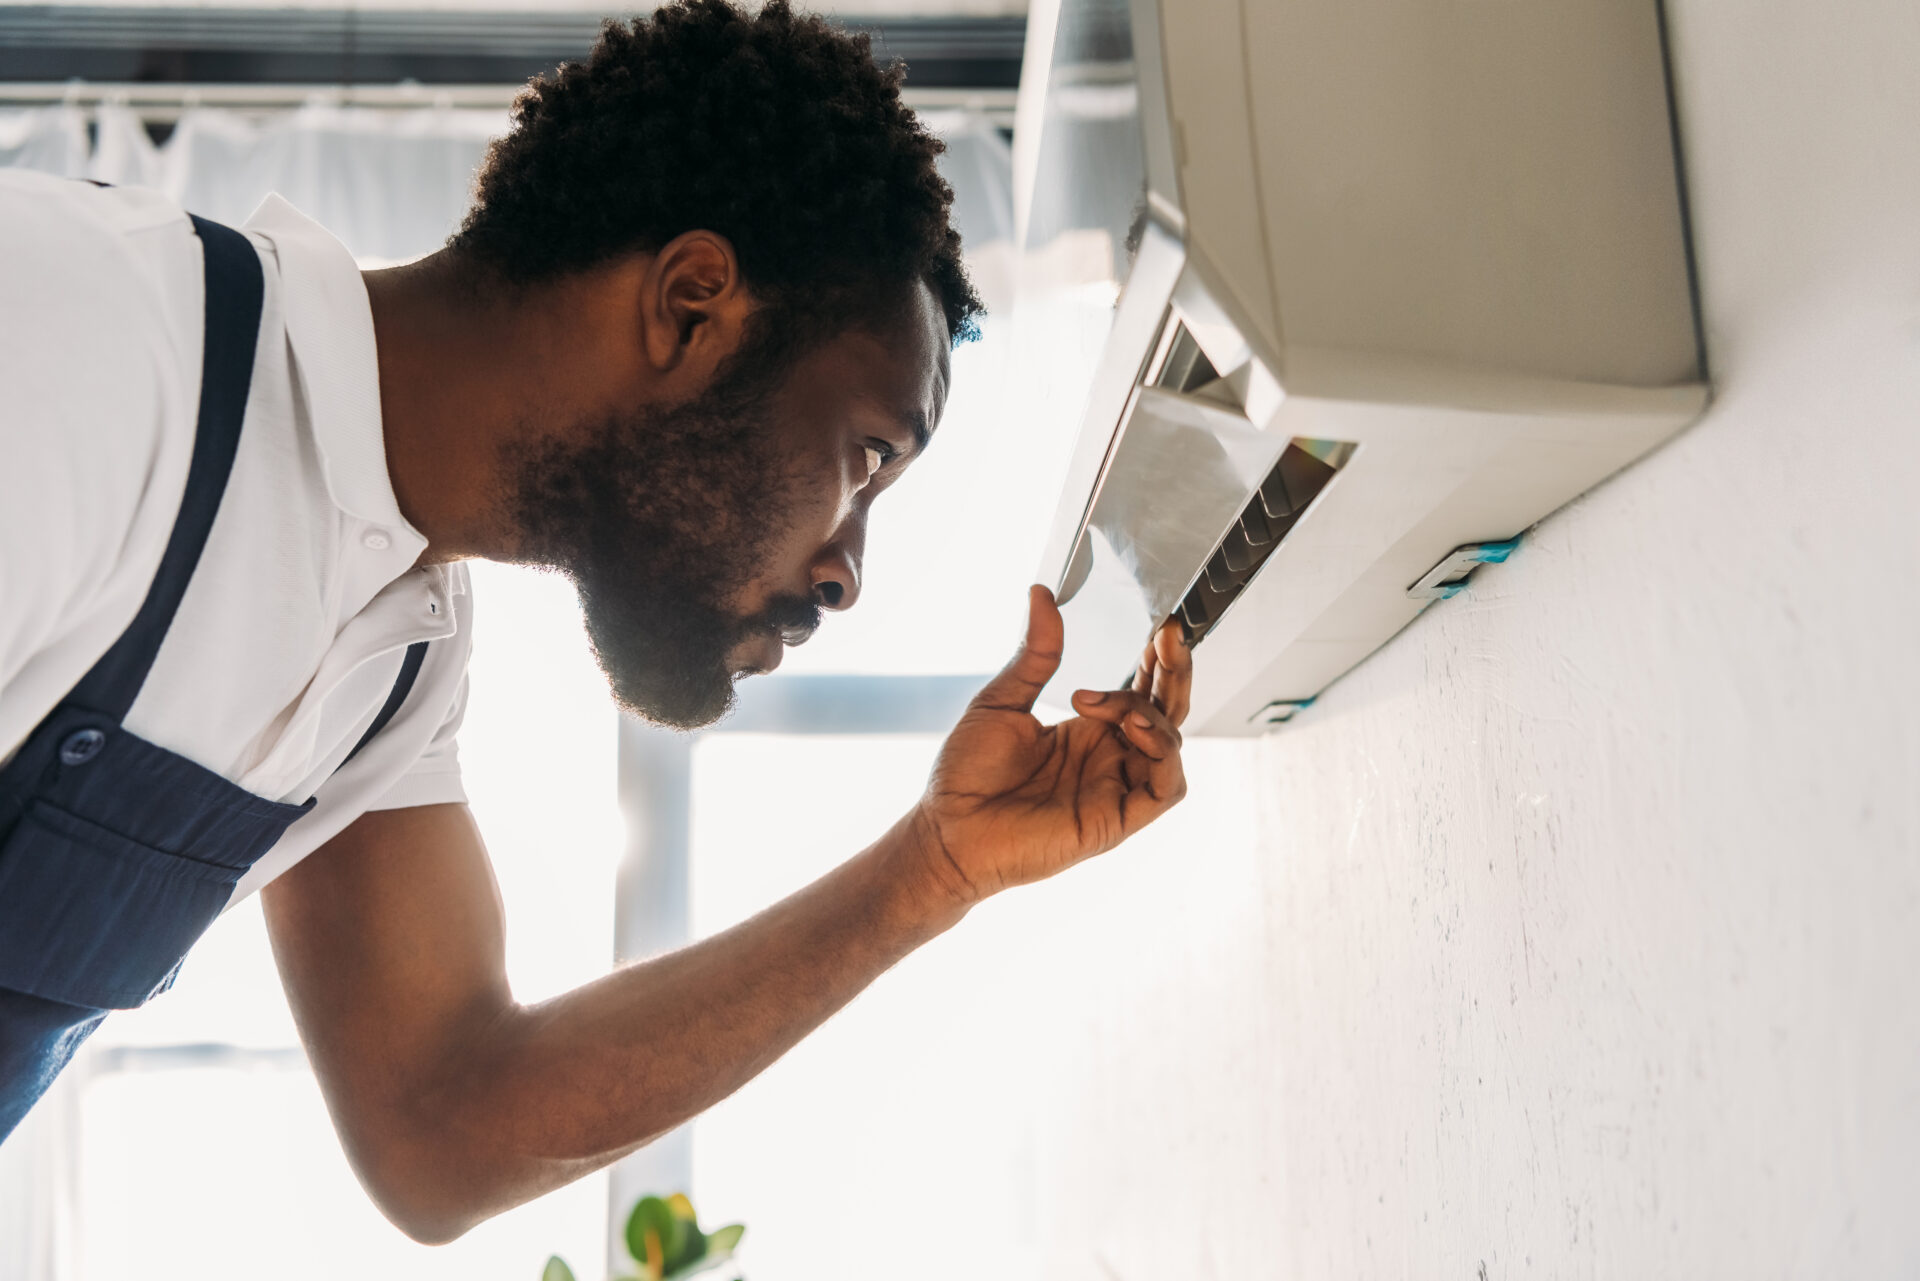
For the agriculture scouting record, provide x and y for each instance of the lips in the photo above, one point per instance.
(761, 650)
(758, 655)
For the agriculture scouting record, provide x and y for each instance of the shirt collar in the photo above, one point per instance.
(330, 334)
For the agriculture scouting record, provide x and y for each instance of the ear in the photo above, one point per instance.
(694, 305)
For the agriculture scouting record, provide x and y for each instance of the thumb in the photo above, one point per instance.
(1021, 680)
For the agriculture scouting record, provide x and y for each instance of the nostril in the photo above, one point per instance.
(831, 593)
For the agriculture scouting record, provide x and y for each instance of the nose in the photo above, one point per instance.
(836, 581)
(836, 573)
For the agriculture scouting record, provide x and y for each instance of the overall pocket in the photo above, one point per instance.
(92, 918)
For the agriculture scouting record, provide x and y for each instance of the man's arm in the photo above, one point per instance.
(454, 1102)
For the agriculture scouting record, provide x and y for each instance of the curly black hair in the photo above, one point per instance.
(772, 129)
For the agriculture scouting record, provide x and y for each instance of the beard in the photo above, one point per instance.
(661, 518)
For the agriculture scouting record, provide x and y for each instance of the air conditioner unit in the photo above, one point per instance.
(1348, 293)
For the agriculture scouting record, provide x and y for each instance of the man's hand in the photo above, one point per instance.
(1012, 800)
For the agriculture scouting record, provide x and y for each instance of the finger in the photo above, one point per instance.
(1021, 680)
(1121, 709)
(1173, 672)
(1143, 674)
(1157, 784)
(1150, 735)
(1151, 766)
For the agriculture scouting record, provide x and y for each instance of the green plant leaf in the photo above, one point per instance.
(725, 1238)
(695, 1268)
(556, 1270)
(681, 1206)
(653, 1217)
(692, 1246)
(720, 1246)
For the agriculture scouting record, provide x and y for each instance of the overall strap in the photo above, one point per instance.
(409, 669)
(234, 289)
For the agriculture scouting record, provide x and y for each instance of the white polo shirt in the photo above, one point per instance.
(292, 631)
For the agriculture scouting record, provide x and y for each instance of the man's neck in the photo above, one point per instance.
(466, 371)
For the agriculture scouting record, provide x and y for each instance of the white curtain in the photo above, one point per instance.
(390, 184)
(393, 183)
(53, 140)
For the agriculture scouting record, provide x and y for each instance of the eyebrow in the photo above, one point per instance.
(915, 421)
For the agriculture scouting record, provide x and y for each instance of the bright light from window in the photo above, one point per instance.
(896, 1141)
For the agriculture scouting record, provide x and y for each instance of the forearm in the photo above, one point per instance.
(529, 1097)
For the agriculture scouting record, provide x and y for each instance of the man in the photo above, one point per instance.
(696, 322)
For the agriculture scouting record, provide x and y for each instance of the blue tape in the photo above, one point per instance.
(1495, 553)
(1282, 710)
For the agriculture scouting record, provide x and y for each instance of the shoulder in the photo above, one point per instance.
(100, 322)
(121, 244)
(99, 355)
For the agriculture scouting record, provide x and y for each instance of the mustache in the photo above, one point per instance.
(794, 618)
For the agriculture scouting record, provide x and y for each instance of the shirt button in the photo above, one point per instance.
(376, 540)
(81, 746)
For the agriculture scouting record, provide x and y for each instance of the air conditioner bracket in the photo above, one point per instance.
(1449, 577)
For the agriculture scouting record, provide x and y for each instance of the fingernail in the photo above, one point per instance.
(1093, 695)
(1142, 720)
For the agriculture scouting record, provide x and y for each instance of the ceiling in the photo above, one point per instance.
(865, 8)
(947, 44)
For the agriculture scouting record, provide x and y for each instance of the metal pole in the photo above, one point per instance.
(650, 916)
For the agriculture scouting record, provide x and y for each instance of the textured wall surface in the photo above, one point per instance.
(1581, 935)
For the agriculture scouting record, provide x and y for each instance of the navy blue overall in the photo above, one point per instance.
(115, 854)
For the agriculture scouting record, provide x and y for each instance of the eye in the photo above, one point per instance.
(879, 454)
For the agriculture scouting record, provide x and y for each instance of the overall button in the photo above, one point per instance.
(81, 746)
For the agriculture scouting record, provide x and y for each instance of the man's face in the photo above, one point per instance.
(705, 537)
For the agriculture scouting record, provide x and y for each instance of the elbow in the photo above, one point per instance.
(427, 1226)
(438, 1159)
(427, 1215)
(430, 1229)
(426, 1189)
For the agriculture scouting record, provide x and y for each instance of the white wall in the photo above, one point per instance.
(1582, 933)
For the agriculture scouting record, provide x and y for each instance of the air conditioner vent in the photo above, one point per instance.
(1186, 368)
(1304, 469)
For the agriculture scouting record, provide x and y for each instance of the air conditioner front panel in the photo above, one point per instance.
(1132, 325)
(1179, 470)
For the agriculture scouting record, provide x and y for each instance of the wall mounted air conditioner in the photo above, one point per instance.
(1347, 293)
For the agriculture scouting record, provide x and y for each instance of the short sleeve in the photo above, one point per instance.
(434, 778)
